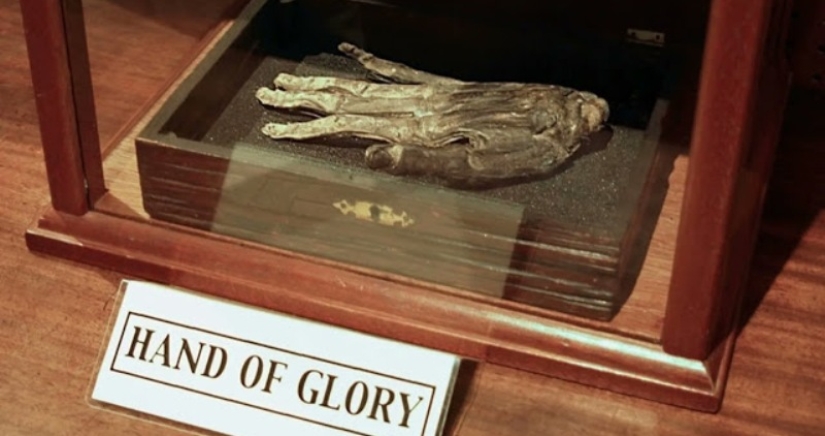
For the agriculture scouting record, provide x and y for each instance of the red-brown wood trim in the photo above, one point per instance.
(85, 113)
(416, 314)
(698, 300)
(54, 95)
(774, 87)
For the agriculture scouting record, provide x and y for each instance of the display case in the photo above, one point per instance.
(564, 188)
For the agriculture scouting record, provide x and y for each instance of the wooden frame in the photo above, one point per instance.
(728, 172)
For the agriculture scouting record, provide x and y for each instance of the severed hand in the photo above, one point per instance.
(464, 132)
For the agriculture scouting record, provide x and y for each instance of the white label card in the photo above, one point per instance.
(240, 370)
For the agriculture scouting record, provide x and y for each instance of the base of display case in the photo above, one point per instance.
(428, 315)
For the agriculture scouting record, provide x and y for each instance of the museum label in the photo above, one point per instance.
(241, 370)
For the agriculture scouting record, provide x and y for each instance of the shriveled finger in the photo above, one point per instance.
(392, 71)
(389, 130)
(360, 88)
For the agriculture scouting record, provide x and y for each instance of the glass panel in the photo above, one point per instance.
(533, 152)
(136, 47)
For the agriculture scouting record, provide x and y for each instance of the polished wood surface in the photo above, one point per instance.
(54, 312)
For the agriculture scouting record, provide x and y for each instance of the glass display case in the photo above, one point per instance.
(562, 187)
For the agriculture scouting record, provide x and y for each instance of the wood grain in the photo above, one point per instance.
(54, 312)
(722, 193)
(50, 62)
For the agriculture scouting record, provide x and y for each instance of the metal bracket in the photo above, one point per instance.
(646, 37)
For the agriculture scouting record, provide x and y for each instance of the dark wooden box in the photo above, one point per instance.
(572, 242)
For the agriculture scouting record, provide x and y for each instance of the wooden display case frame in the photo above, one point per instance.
(743, 87)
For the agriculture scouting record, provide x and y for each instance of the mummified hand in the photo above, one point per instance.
(467, 133)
